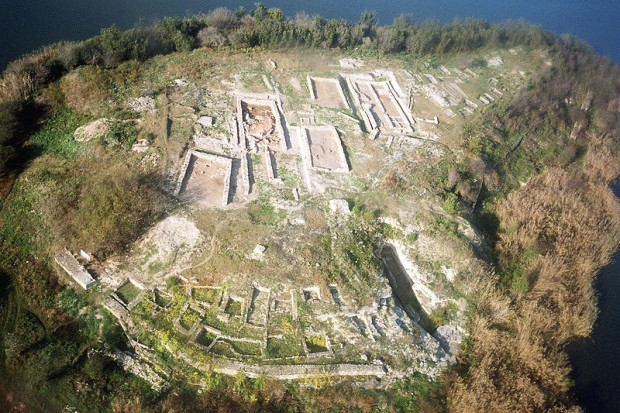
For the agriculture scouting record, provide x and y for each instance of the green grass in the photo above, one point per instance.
(250, 331)
(233, 308)
(406, 394)
(89, 324)
(21, 231)
(519, 283)
(245, 348)
(262, 212)
(211, 320)
(223, 349)
(316, 344)
(25, 239)
(128, 292)
(289, 346)
(70, 301)
(56, 135)
(515, 275)
(444, 314)
(146, 307)
(161, 299)
(209, 296)
(205, 338)
(189, 318)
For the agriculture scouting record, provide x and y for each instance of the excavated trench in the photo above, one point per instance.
(401, 285)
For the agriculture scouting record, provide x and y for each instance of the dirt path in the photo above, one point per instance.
(217, 229)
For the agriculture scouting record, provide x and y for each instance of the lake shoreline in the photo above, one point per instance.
(596, 359)
(27, 25)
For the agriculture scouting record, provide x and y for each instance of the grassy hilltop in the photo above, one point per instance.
(250, 186)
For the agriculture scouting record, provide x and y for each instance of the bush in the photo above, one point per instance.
(123, 132)
(452, 204)
(114, 208)
(70, 301)
(222, 18)
(411, 237)
(446, 227)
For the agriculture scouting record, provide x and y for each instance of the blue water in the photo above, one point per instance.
(28, 24)
(596, 360)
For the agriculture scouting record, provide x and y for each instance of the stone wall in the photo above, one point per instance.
(71, 265)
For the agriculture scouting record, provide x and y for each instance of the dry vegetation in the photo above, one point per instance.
(559, 230)
(548, 208)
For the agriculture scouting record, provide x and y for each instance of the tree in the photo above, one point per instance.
(404, 21)
(260, 11)
(275, 14)
(368, 21)
(112, 42)
(368, 18)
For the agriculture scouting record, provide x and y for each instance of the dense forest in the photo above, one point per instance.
(537, 299)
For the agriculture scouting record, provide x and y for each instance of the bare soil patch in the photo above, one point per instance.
(207, 180)
(95, 129)
(328, 93)
(325, 149)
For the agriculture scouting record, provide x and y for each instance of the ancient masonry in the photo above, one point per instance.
(298, 372)
(270, 165)
(322, 149)
(120, 306)
(259, 127)
(213, 318)
(71, 265)
(246, 328)
(204, 177)
(327, 92)
(260, 121)
(444, 90)
(381, 107)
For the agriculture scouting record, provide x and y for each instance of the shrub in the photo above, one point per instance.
(222, 18)
(122, 131)
(70, 301)
(316, 343)
(411, 237)
(452, 204)
(114, 208)
(479, 62)
(263, 213)
(446, 227)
